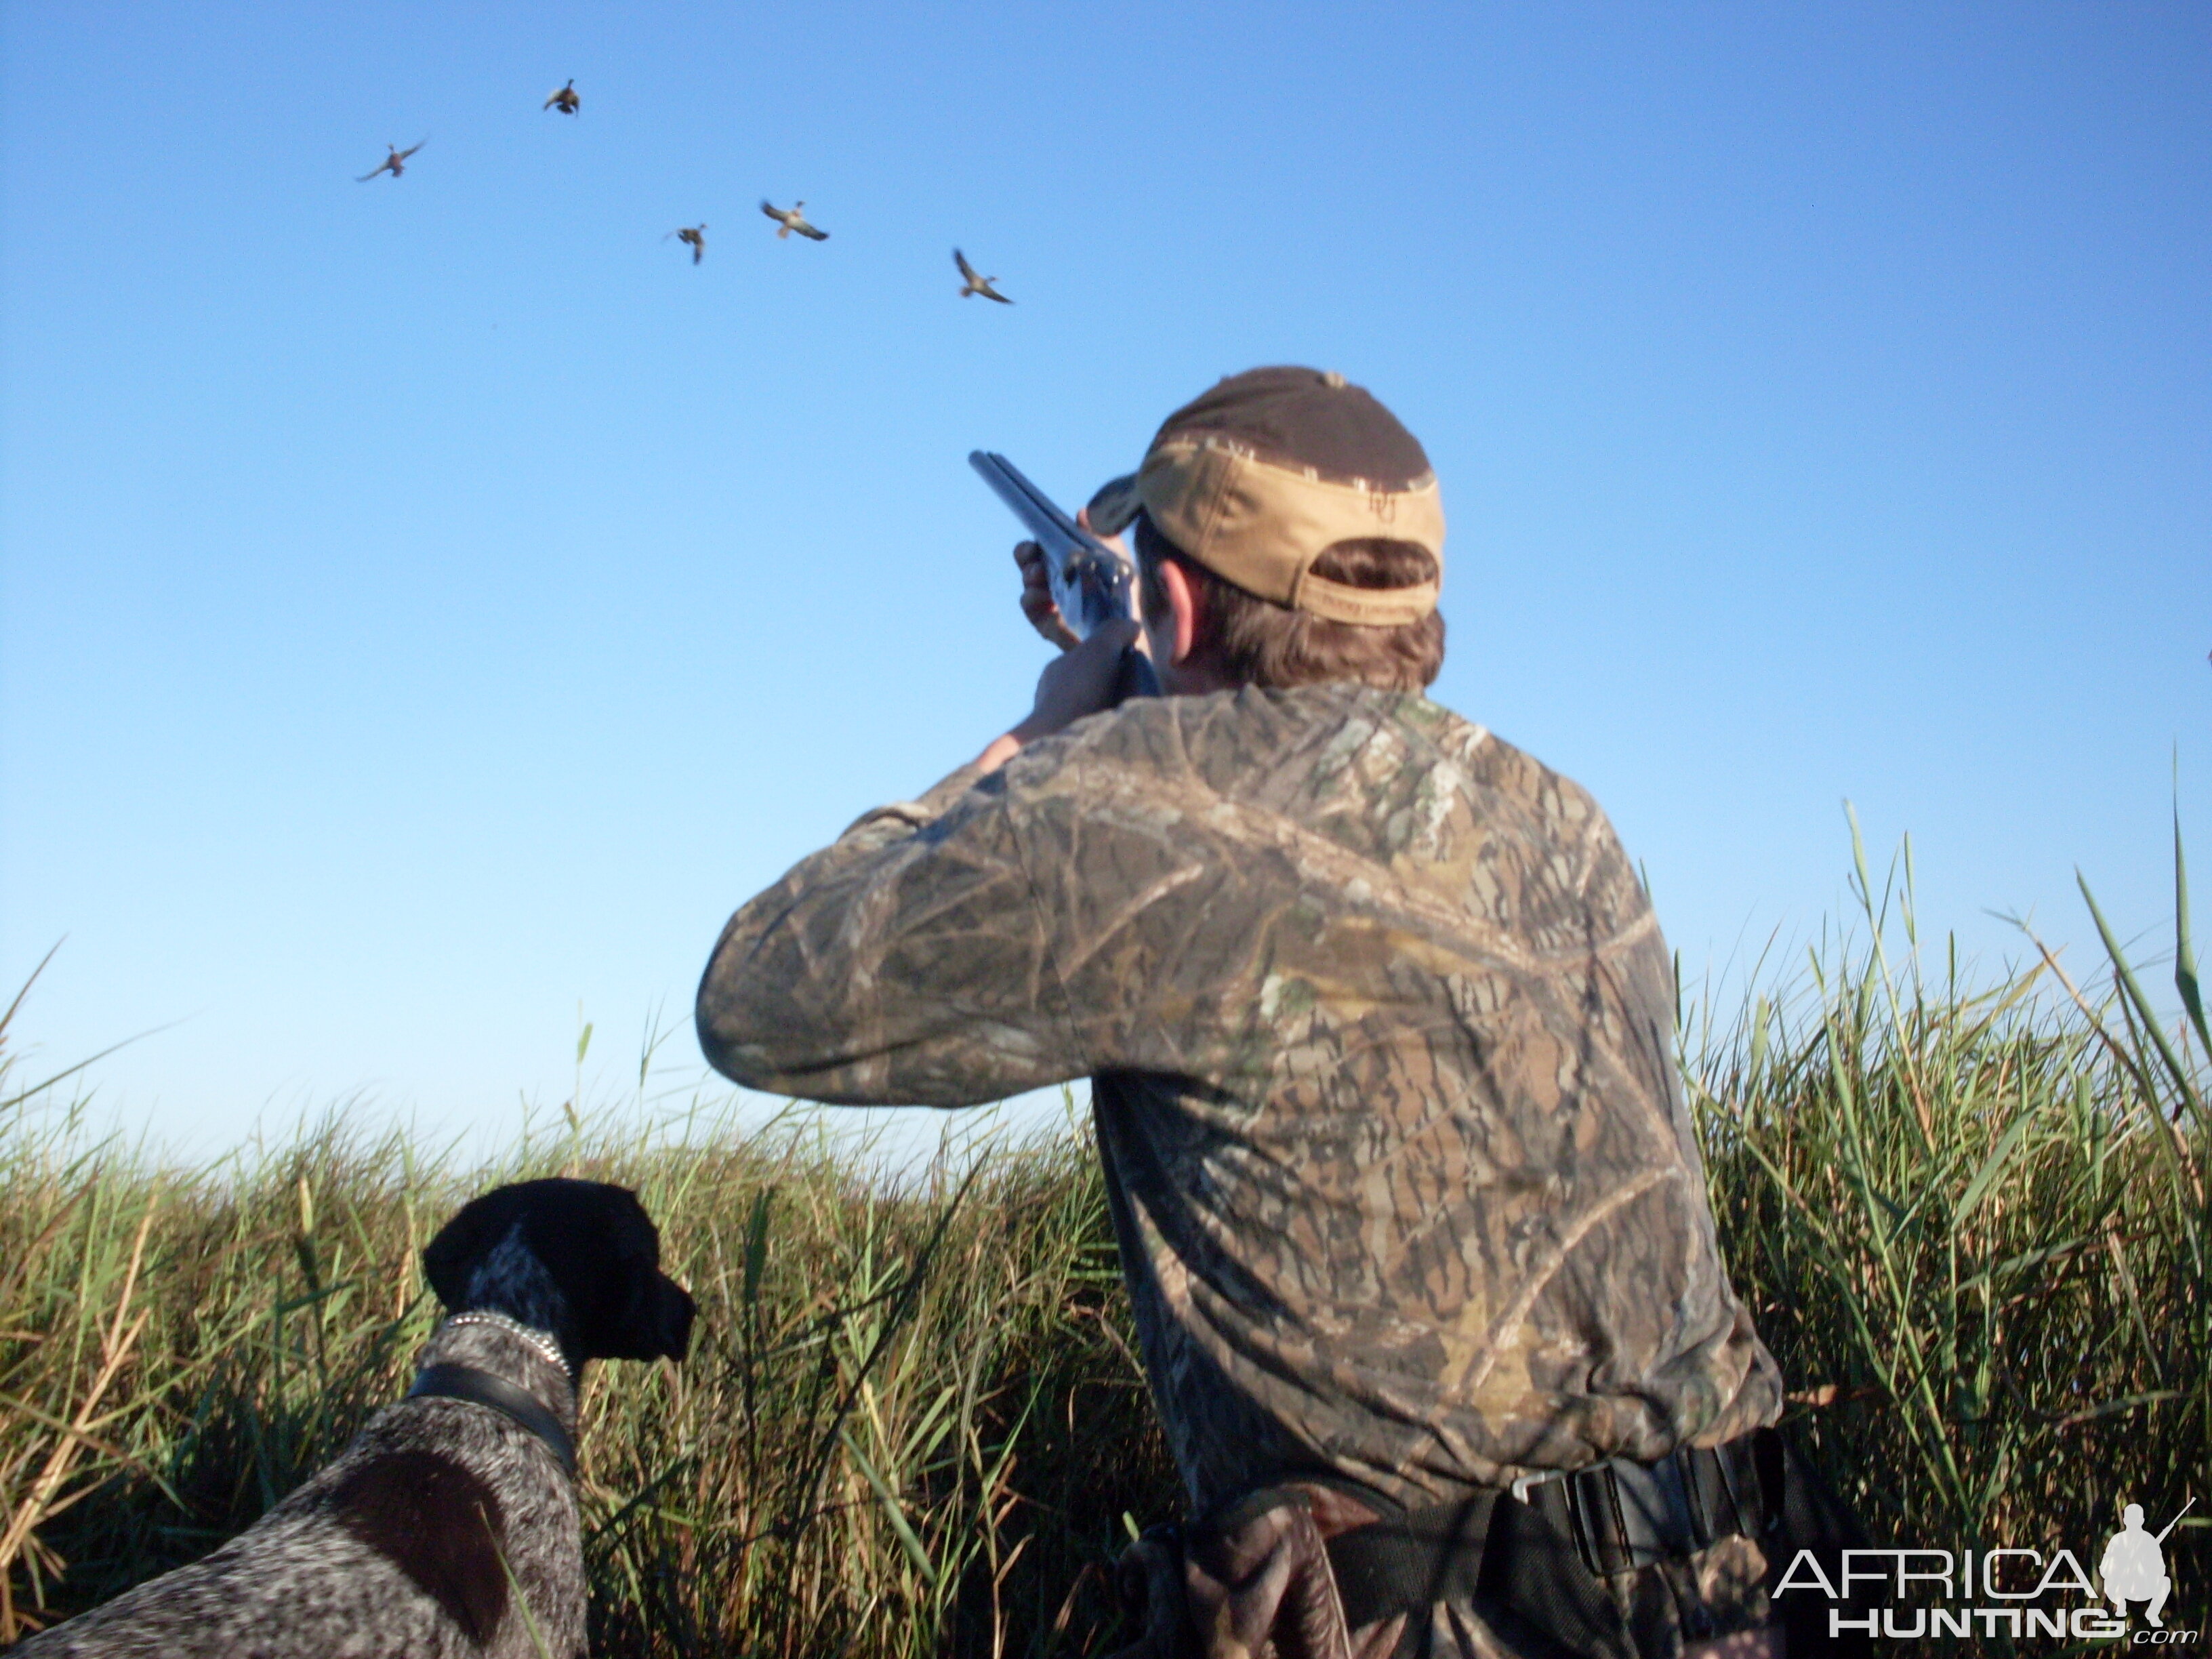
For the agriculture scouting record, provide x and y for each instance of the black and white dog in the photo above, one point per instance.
(449, 1529)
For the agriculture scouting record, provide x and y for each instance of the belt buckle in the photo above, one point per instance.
(1651, 1509)
(1569, 1516)
(1623, 1516)
(1525, 1484)
(1628, 1515)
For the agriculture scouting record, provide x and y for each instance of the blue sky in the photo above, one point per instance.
(429, 605)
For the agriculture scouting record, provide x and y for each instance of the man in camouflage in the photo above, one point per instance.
(1378, 1023)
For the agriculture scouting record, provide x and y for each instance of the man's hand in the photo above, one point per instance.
(1081, 681)
(1036, 597)
(1037, 587)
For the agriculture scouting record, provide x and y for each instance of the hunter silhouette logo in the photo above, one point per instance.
(2133, 1567)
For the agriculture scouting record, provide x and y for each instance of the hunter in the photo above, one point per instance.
(1379, 1027)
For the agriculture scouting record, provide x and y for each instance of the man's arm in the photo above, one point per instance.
(909, 962)
(905, 963)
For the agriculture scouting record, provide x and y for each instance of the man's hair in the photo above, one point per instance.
(1256, 641)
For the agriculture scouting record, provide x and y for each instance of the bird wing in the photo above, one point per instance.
(773, 212)
(552, 97)
(990, 293)
(967, 270)
(410, 149)
(805, 229)
(366, 177)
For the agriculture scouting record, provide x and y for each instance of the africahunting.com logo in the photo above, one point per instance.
(2020, 1594)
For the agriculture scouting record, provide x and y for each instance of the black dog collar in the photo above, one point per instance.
(483, 1388)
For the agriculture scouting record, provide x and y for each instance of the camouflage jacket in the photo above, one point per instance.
(1379, 1025)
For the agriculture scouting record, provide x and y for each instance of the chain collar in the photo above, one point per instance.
(537, 1340)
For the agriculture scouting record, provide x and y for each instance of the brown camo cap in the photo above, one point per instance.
(1256, 476)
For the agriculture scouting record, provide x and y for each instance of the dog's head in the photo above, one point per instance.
(597, 1247)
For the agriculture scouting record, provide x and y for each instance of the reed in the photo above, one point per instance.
(1972, 1225)
(1970, 1221)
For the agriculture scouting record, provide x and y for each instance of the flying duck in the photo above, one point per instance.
(790, 219)
(395, 164)
(976, 284)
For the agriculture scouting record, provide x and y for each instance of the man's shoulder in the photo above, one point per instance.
(1333, 751)
(1390, 800)
(1231, 735)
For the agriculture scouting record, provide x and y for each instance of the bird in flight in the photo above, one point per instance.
(566, 98)
(395, 164)
(976, 284)
(790, 219)
(693, 237)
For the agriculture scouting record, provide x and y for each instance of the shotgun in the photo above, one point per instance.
(1091, 582)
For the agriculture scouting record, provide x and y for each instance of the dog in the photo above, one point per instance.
(449, 1528)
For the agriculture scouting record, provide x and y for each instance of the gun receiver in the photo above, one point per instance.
(1091, 583)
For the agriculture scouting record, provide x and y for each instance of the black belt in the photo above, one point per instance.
(483, 1388)
(1625, 1516)
(1620, 1516)
(1406, 1562)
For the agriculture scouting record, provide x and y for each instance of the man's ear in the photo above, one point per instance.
(1185, 606)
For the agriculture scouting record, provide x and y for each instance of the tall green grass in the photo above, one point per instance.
(907, 1413)
(1971, 1221)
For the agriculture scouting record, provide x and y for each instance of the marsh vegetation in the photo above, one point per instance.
(1970, 1221)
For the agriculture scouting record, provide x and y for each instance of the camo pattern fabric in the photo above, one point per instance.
(1379, 1023)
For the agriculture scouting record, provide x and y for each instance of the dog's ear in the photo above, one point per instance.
(471, 1235)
